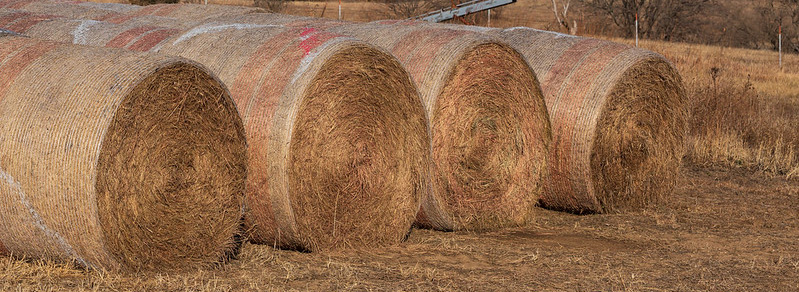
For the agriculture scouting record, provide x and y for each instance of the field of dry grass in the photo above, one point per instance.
(731, 224)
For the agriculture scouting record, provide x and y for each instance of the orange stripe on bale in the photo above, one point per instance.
(261, 219)
(152, 38)
(20, 60)
(124, 38)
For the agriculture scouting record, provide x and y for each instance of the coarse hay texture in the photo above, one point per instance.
(359, 165)
(618, 119)
(270, 69)
(117, 160)
(338, 140)
(171, 172)
(490, 138)
(350, 145)
(489, 125)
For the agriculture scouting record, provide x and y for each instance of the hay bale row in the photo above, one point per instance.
(116, 160)
(489, 126)
(618, 120)
(487, 116)
(339, 149)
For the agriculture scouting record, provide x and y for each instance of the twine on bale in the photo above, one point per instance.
(116, 160)
(339, 147)
(489, 126)
(618, 118)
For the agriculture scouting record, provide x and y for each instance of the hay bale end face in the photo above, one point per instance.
(618, 120)
(116, 160)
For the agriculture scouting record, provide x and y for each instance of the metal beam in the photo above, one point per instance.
(462, 10)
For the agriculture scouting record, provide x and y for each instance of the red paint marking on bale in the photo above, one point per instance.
(152, 38)
(124, 38)
(19, 61)
(313, 39)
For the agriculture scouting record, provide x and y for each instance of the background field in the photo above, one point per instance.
(731, 225)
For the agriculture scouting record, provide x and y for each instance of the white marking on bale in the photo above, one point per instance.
(306, 61)
(79, 33)
(557, 34)
(211, 28)
(15, 187)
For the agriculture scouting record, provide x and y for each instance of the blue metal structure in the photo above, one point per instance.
(462, 10)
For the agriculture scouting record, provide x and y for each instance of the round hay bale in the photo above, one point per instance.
(489, 125)
(116, 160)
(339, 149)
(618, 120)
(339, 145)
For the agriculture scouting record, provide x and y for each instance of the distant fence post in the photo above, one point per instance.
(339, 9)
(489, 18)
(636, 29)
(780, 45)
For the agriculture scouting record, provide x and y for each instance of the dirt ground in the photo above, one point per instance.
(723, 230)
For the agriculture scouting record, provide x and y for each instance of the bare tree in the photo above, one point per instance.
(562, 17)
(784, 13)
(275, 6)
(660, 19)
